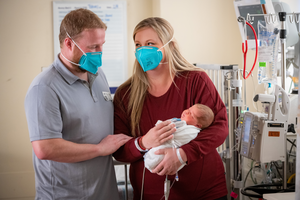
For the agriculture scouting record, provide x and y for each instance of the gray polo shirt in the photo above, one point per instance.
(60, 105)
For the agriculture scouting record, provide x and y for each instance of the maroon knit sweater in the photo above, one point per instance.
(203, 177)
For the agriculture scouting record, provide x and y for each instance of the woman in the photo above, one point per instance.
(162, 86)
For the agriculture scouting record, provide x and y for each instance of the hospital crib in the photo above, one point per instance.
(227, 82)
(124, 187)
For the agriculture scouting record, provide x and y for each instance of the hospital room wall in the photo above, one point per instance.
(207, 32)
(26, 45)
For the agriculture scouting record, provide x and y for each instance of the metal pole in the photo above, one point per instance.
(126, 182)
(235, 96)
(228, 160)
(298, 165)
(282, 18)
(297, 182)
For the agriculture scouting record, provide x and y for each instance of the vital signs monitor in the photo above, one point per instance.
(243, 7)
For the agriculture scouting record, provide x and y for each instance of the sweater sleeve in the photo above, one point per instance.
(203, 91)
(128, 152)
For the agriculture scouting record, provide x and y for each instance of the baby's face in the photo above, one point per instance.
(191, 115)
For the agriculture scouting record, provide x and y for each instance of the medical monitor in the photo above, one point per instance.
(243, 7)
(247, 126)
(246, 135)
(250, 142)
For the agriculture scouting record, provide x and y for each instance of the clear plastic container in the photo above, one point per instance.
(267, 53)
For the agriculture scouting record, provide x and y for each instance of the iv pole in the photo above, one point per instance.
(282, 18)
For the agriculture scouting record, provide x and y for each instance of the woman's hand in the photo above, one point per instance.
(158, 135)
(170, 164)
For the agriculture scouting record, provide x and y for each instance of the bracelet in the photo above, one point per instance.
(140, 143)
(136, 142)
(179, 157)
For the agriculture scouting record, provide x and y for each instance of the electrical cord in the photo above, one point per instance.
(293, 145)
(276, 164)
(290, 178)
(259, 190)
(247, 176)
(264, 189)
(251, 175)
(277, 169)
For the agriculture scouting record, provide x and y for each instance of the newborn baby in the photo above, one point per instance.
(188, 126)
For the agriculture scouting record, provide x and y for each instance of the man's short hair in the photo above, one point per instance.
(77, 21)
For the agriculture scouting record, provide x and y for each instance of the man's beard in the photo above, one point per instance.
(78, 69)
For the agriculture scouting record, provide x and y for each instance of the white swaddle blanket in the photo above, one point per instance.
(184, 134)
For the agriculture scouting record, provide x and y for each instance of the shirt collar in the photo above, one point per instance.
(66, 74)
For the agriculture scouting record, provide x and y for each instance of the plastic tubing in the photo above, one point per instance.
(245, 52)
(291, 177)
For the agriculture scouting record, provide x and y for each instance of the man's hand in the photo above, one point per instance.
(61, 150)
(112, 143)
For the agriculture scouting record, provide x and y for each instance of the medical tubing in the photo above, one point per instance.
(142, 189)
(276, 167)
(166, 188)
(170, 188)
(251, 174)
(291, 177)
(245, 52)
(247, 176)
(293, 144)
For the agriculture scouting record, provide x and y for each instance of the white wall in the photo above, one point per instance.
(207, 32)
(26, 45)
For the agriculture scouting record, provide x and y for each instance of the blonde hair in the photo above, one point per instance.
(138, 83)
(207, 116)
(77, 21)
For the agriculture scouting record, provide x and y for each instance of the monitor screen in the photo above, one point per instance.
(247, 128)
(251, 9)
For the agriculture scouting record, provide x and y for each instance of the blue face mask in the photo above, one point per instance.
(149, 57)
(89, 61)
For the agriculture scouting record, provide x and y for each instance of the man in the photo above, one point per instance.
(70, 117)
